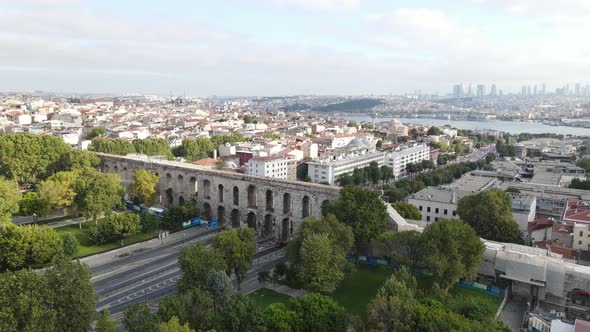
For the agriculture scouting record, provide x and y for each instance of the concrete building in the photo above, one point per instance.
(523, 210)
(398, 160)
(272, 166)
(328, 170)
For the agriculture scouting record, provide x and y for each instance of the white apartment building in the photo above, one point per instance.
(398, 160)
(271, 166)
(581, 239)
(328, 170)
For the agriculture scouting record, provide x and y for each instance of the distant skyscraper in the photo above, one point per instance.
(470, 91)
(458, 91)
(528, 90)
(578, 90)
(535, 90)
(481, 90)
(543, 89)
(493, 91)
(523, 90)
(500, 92)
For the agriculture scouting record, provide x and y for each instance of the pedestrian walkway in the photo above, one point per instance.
(253, 285)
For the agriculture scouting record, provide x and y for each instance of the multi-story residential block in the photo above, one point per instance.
(398, 160)
(271, 166)
(358, 153)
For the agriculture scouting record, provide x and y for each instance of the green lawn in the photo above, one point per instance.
(265, 297)
(359, 288)
(88, 247)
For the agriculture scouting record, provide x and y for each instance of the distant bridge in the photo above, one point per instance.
(273, 207)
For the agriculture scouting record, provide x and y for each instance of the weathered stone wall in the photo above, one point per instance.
(273, 207)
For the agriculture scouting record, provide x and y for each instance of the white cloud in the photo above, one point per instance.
(318, 4)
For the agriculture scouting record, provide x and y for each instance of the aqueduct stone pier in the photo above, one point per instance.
(273, 207)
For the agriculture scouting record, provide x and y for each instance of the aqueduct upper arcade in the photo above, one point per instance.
(273, 207)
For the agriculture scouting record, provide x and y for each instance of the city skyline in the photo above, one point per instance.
(290, 47)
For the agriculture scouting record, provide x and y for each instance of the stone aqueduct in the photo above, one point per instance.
(273, 207)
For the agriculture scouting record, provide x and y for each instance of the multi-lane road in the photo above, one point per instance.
(146, 276)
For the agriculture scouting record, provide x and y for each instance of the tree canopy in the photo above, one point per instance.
(97, 193)
(362, 210)
(489, 212)
(143, 187)
(112, 146)
(407, 210)
(194, 149)
(237, 247)
(153, 147)
(28, 246)
(452, 250)
(196, 262)
(10, 198)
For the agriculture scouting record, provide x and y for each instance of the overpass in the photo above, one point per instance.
(273, 207)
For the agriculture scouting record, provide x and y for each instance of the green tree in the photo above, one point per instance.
(489, 212)
(431, 315)
(194, 149)
(143, 186)
(315, 312)
(174, 326)
(10, 198)
(24, 299)
(175, 215)
(100, 233)
(278, 318)
(307, 178)
(452, 250)
(111, 146)
(434, 131)
(104, 322)
(427, 164)
(321, 264)
(72, 295)
(248, 119)
(237, 247)
(218, 140)
(196, 263)
(241, 314)
(153, 147)
(585, 164)
(386, 174)
(364, 211)
(59, 189)
(97, 194)
(402, 247)
(33, 204)
(28, 246)
(71, 244)
(96, 132)
(138, 318)
(220, 287)
(407, 210)
(79, 160)
(580, 184)
(28, 158)
(123, 225)
(391, 309)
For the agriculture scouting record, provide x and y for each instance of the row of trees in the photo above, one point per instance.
(190, 148)
(449, 249)
(32, 246)
(60, 299)
(28, 158)
(407, 186)
(363, 176)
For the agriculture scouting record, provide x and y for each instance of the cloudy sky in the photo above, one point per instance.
(285, 47)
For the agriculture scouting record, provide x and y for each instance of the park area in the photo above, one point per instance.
(360, 286)
(88, 247)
